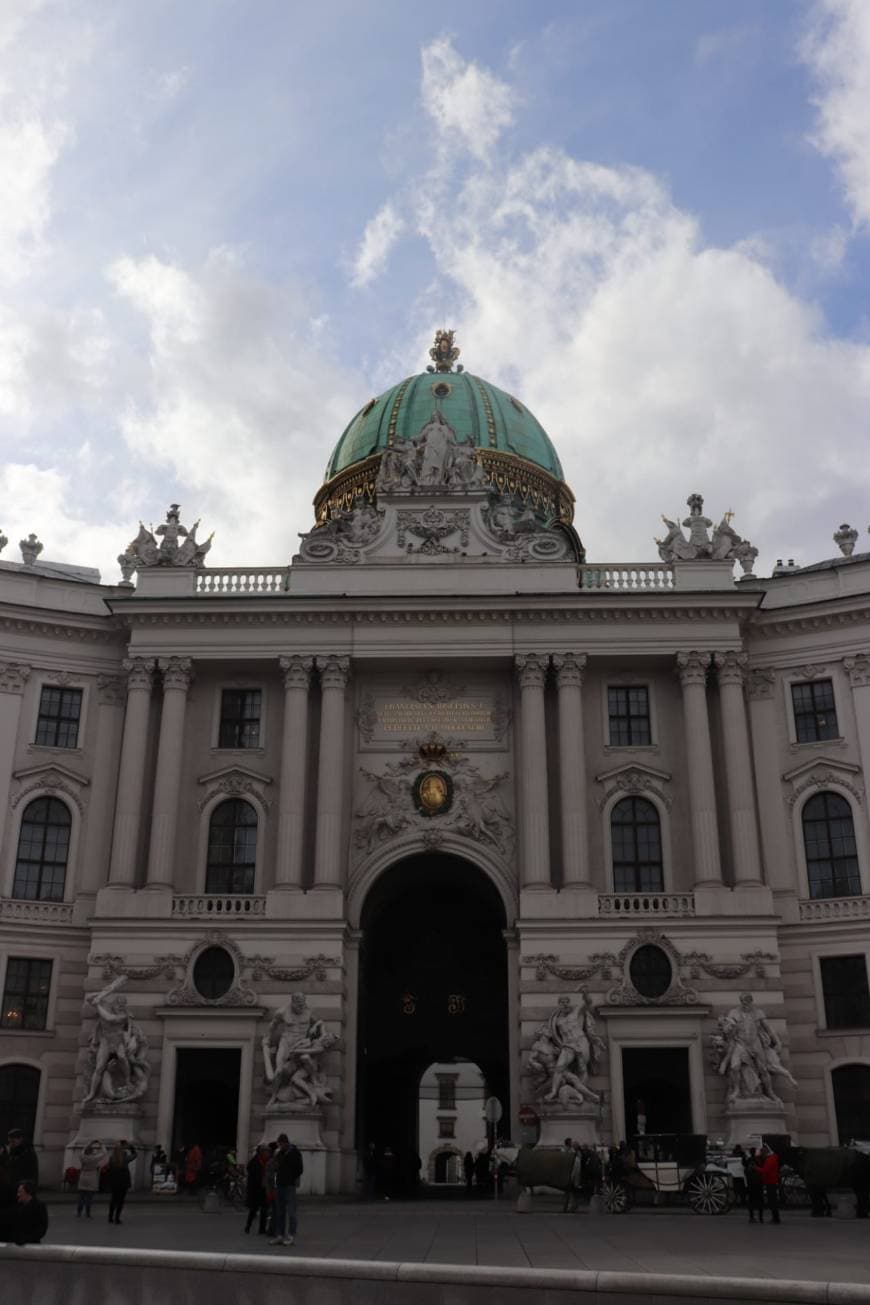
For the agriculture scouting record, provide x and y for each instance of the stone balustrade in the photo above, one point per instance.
(646, 904)
(219, 904)
(12, 908)
(836, 908)
(243, 580)
(623, 577)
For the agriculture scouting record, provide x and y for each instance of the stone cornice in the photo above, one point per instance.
(110, 628)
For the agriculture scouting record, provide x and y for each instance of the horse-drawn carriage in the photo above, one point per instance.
(668, 1168)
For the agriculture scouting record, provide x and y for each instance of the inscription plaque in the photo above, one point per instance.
(469, 715)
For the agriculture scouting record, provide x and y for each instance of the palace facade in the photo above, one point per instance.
(435, 774)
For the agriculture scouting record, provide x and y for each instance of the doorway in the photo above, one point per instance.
(656, 1089)
(433, 990)
(207, 1099)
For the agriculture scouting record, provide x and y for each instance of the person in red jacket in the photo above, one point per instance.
(769, 1170)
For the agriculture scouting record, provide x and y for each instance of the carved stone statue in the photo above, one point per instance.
(749, 1052)
(435, 443)
(291, 1054)
(725, 544)
(433, 459)
(118, 1052)
(342, 536)
(564, 1050)
(178, 546)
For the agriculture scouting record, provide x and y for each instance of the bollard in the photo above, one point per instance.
(211, 1203)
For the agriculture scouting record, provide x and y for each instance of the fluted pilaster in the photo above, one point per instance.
(692, 668)
(294, 769)
(745, 851)
(334, 676)
(531, 669)
(177, 676)
(131, 772)
(570, 668)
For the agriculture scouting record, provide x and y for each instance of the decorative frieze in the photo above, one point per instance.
(37, 780)
(13, 677)
(635, 780)
(234, 781)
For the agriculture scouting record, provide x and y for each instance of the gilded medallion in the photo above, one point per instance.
(433, 793)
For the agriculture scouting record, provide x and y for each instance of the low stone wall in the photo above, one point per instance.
(79, 1276)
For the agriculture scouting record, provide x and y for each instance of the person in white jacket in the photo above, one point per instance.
(94, 1157)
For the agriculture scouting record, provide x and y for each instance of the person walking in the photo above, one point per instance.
(18, 1164)
(255, 1188)
(93, 1158)
(468, 1169)
(119, 1178)
(31, 1217)
(285, 1170)
(769, 1170)
(193, 1167)
(754, 1187)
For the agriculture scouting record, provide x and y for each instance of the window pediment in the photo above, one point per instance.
(234, 781)
(634, 778)
(50, 778)
(819, 772)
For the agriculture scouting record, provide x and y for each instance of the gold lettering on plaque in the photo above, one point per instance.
(456, 717)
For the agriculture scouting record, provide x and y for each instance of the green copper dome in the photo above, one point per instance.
(473, 407)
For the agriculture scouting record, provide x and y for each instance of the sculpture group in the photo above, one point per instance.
(434, 459)
(748, 1053)
(117, 1065)
(565, 1050)
(292, 1049)
(177, 545)
(725, 545)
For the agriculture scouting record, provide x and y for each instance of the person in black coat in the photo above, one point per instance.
(119, 1181)
(255, 1187)
(18, 1164)
(31, 1216)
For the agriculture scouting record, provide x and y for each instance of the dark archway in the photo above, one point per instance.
(433, 987)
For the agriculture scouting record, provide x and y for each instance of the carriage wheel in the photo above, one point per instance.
(709, 1194)
(615, 1198)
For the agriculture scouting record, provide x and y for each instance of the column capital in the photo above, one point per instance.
(13, 677)
(858, 669)
(111, 690)
(140, 672)
(762, 681)
(334, 671)
(731, 667)
(570, 669)
(297, 671)
(531, 669)
(692, 668)
(177, 672)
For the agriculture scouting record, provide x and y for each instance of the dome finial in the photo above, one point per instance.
(444, 352)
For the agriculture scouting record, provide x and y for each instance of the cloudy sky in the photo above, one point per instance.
(226, 224)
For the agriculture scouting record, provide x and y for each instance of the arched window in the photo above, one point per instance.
(43, 849)
(829, 841)
(851, 1084)
(232, 848)
(19, 1094)
(636, 840)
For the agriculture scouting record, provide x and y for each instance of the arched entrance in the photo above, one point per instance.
(433, 987)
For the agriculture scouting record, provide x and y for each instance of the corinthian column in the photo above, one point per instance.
(532, 672)
(572, 768)
(738, 768)
(294, 747)
(334, 674)
(131, 772)
(170, 748)
(692, 668)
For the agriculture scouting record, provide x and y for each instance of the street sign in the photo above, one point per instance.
(492, 1111)
(528, 1117)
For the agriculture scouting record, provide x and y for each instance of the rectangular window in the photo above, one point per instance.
(447, 1091)
(57, 725)
(240, 718)
(815, 716)
(25, 997)
(844, 987)
(446, 1127)
(628, 712)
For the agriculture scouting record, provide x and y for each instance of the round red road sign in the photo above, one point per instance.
(528, 1117)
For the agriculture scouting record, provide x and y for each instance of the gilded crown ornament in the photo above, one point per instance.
(444, 353)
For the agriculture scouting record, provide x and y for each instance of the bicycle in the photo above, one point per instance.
(225, 1191)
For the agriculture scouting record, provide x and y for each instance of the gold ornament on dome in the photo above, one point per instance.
(444, 352)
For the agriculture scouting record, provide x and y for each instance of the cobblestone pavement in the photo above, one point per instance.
(478, 1232)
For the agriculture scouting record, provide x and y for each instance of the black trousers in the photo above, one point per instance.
(258, 1207)
(772, 1193)
(117, 1197)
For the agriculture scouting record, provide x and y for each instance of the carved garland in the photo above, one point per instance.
(51, 781)
(819, 779)
(634, 781)
(313, 967)
(624, 993)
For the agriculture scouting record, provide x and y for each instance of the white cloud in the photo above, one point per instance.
(464, 101)
(380, 235)
(242, 410)
(39, 500)
(838, 52)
